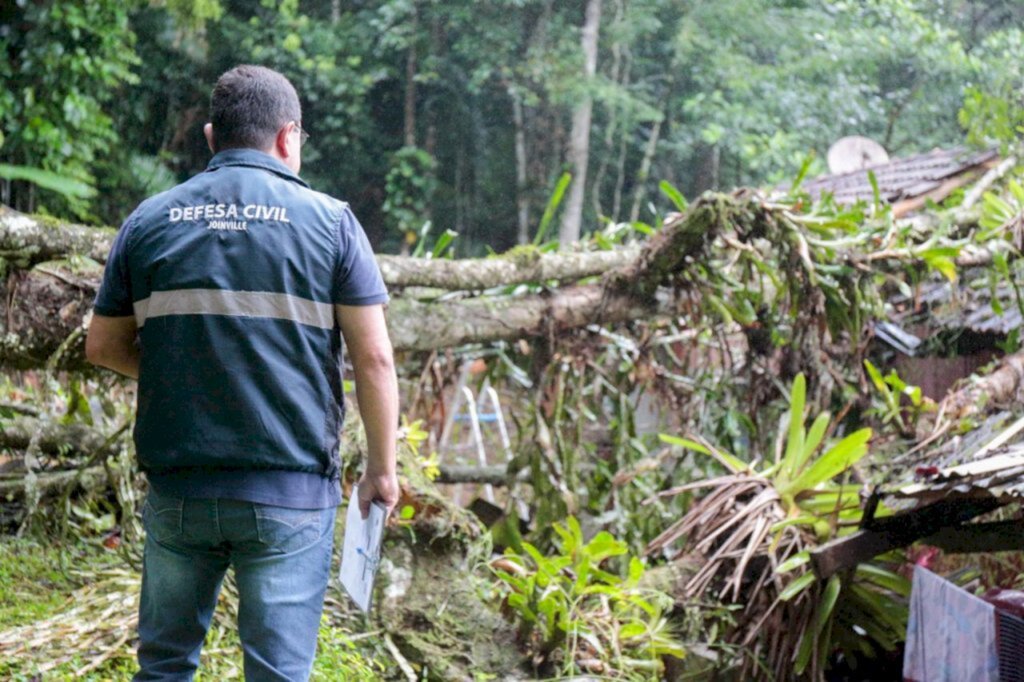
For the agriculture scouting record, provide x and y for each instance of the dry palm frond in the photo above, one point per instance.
(732, 527)
(753, 530)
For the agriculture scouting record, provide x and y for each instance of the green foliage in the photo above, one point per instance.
(195, 13)
(331, 62)
(674, 195)
(990, 118)
(570, 609)
(339, 658)
(442, 245)
(872, 595)
(806, 468)
(55, 182)
(992, 111)
(552, 208)
(889, 69)
(1001, 214)
(409, 186)
(67, 62)
(892, 390)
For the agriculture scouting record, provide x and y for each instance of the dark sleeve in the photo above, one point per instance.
(357, 280)
(115, 295)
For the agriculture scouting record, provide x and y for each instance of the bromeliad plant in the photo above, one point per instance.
(751, 533)
(576, 617)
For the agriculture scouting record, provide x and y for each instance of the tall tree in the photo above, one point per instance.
(411, 69)
(522, 198)
(579, 137)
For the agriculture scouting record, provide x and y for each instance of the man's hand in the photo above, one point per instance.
(381, 488)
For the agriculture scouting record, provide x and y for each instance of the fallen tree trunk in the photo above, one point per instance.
(521, 266)
(26, 240)
(425, 326)
(43, 316)
(44, 311)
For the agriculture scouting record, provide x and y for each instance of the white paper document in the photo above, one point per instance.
(360, 555)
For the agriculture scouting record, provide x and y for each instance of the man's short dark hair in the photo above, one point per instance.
(249, 105)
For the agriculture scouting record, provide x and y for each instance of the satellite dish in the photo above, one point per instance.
(855, 153)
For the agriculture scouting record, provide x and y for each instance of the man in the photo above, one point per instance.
(223, 297)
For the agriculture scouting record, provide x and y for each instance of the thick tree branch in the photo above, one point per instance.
(415, 325)
(40, 312)
(999, 386)
(26, 240)
(489, 475)
(54, 438)
(520, 266)
(48, 481)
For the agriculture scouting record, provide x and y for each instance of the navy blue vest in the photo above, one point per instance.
(232, 277)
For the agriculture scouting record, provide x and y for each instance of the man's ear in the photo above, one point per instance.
(208, 132)
(281, 143)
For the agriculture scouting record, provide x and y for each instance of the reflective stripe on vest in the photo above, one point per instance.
(261, 304)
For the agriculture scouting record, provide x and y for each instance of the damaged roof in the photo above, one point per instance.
(984, 462)
(907, 182)
(980, 301)
(971, 305)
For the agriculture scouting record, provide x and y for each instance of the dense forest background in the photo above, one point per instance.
(466, 114)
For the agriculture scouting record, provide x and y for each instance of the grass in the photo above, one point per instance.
(33, 585)
(35, 589)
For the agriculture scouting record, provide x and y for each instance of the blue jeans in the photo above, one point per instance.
(281, 558)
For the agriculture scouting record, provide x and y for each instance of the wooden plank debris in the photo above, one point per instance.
(892, 532)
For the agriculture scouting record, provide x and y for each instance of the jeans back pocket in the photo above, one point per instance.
(287, 530)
